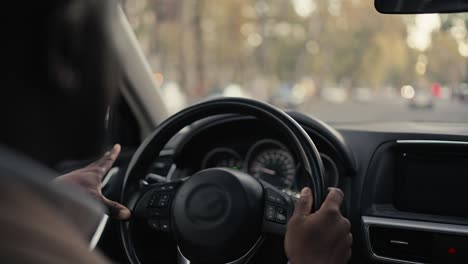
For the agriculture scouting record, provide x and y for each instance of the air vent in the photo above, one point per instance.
(408, 245)
(413, 242)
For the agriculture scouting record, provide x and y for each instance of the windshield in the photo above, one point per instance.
(338, 60)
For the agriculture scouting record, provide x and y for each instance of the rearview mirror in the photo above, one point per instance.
(420, 6)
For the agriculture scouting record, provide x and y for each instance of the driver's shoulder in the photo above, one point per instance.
(35, 224)
(34, 231)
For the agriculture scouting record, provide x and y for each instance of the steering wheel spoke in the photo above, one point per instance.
(278, 209)
(155, 203)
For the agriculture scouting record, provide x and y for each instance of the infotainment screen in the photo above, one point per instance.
(432, 183)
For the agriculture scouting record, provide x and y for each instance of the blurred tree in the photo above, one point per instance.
(445, 65)
(205, 45)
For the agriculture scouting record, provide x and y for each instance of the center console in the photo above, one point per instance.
(415, 209)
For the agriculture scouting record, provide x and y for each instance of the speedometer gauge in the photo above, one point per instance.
(275, 166)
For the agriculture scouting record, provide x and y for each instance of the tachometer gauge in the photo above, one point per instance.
(222, 158)
(275, 166)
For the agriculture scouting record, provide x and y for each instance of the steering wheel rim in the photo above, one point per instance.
(151, 147)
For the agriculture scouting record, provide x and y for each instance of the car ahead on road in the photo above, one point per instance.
(422, 99)
(463, 92)
(217, 181)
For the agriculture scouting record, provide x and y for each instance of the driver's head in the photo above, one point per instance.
(60, 73)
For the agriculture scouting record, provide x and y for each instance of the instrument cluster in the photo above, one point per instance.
(269, 160)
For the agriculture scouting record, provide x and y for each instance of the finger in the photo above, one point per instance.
(334, 199)
(115, 151)
(304, 204)
(350, 239)
(106, 162)
(117, 210)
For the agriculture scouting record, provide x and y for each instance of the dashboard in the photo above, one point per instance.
(400, 184)
(404, 183)
(406, 196)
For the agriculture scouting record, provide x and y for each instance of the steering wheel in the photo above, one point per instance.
(217, 215)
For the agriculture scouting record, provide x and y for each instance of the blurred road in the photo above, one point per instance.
(387, 110)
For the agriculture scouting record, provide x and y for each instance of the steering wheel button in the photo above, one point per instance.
(274, 197)
(281, 218)
(165, 226)
(281, 215)
(270, 217)
(154, 224)
(151, 203)
(163, 203)
(165, 197)
(270, 212)
(279, 200)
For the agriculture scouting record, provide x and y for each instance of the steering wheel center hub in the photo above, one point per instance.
(210, 209)
(207, 204)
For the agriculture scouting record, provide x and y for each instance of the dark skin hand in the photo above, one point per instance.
(322, 237)
(90, 178)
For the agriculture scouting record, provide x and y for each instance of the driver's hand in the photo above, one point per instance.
(90, 179)
(322, 237)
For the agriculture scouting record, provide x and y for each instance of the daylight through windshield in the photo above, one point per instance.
(338, 60)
